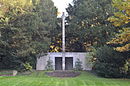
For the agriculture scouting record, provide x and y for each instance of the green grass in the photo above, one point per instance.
(40, 79)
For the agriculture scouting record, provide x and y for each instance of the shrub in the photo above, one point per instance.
(78, 65)
(128, 76)
(109, 62)
(90, 58)
(27, 66)
(128, 72)
(49, 65)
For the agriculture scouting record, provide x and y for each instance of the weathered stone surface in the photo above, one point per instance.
(15, 72)
(42, 61)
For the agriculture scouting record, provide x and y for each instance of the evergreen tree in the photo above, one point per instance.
(121, 42)
(88, 25)
(78, 65)
(25, 27)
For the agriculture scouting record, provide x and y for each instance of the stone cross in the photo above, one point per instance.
(63, 40)
(63, 32)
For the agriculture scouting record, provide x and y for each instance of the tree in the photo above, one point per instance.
(88, 25)
(78, 65)
(109, 63)
(56, 37)
(25, 28)
(11, 10)
(121, 42)
(121, 18)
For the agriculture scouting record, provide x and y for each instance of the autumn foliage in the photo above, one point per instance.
(121, 18)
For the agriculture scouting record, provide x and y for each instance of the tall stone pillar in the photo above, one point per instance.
(63, 41)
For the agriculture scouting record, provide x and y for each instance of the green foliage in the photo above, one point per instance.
(121, 19)
(91, 58)
(126, 69)
(25, 27)
(88, 25)
(78, 65)
(128, 72)
(49, 65)
(27, 67)
(56, 34)
(109, 62)
(121, 41)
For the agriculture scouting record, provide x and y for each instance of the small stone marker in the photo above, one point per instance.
(15, 72)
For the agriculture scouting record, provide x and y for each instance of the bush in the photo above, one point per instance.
(78, 65)
(27, 67)
(128, 76)
(109, 62)
(90, 58)
(49, 65)
(128, 73)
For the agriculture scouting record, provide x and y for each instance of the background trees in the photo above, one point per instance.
(30, 27)
(121, 19)
(25, 27)
(109, 64)
(88, 25)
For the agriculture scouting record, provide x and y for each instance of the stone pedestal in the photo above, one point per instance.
(63, 60)
(15, 72)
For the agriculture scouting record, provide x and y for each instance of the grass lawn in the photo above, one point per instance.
(40, 79)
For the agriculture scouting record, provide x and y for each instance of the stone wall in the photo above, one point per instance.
(42, 61)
